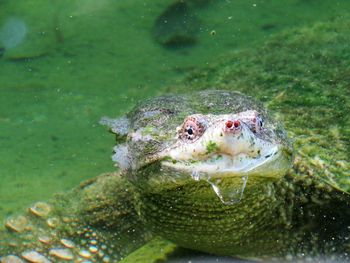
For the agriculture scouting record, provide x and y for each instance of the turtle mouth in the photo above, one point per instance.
(228, 174)
(220, 165)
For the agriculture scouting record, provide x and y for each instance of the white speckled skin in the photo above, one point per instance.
(222, 149)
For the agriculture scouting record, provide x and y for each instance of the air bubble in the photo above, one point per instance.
(196, 175)
(228, 195)
(13, 33)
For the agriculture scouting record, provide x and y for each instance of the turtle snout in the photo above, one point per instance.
(232, 126)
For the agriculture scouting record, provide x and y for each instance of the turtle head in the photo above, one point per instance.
(201, 163)
(226, 145)
(211, 136)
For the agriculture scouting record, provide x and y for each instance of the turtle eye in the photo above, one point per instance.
(192, 128)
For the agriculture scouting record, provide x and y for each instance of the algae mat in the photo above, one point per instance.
(71, 62)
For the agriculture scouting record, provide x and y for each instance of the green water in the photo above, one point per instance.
(80, 60)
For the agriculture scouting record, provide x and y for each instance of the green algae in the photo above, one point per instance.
(211, 147)
(86, 59)
(157, 250)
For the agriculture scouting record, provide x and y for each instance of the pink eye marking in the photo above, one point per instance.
(253, 119)
(232, 126)
(192, 128)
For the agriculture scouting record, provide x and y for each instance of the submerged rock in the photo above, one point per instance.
(177, 26)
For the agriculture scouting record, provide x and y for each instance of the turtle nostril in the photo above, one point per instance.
(229, 124)
(236, 123)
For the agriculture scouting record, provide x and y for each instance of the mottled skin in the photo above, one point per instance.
(279, 216)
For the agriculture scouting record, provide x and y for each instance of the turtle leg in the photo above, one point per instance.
(157, 250)
(96, 221)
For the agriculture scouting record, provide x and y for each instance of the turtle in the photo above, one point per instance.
(210, 171)
(301, 75)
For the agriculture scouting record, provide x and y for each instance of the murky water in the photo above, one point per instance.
(65, 64)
